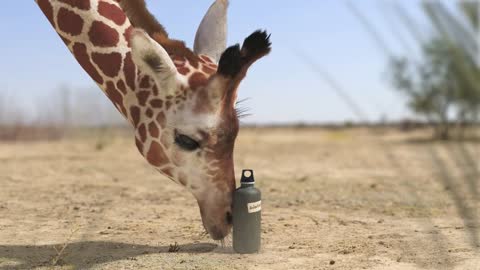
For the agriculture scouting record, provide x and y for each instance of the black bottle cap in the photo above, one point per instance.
(247, 177)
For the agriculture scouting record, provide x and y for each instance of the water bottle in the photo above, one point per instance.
(247, 206)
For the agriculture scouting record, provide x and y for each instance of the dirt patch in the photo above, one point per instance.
(331, 200)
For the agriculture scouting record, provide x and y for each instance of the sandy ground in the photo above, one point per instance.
(345, 199)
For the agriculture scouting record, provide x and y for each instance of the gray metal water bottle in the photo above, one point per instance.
(247, 206)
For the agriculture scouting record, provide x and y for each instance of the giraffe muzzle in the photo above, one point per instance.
(217, 215)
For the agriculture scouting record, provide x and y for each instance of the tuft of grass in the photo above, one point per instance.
(58, 259)
(174, 248)
(100, 145)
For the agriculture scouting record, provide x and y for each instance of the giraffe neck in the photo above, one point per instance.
(97, 34)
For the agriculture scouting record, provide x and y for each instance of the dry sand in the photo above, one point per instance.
(345, 199)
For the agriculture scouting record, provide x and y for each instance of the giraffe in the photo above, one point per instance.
(181, 102)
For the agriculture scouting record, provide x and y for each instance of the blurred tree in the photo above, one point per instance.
(470, 9)
(471, 90)
(431, 86)
(446, 81)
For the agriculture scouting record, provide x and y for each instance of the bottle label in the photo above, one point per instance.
(254, 207)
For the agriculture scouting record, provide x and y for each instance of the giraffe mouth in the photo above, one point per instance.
(218, 230)
(217, 233)
(216, 220)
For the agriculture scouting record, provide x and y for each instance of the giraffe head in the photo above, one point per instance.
(188, 130)
(181, 102)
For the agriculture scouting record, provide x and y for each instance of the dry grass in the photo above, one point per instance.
(21, 132)
(57, 260)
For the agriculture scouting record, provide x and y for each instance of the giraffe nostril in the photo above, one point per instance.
(229, 218)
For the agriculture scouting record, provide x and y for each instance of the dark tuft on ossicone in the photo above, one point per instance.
(256, 45)
(230, 62)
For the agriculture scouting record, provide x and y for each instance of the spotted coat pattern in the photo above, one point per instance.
(97, 32)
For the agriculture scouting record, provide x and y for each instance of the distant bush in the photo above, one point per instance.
(30, 133)
(443, 85)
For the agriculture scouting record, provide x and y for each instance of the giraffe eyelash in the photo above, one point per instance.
(242, 111)
(154, 62)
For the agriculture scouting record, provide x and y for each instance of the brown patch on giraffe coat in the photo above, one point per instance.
(47, 9)
(69, 22)
(153, 130)
(142, 132)
(115, 97)
(156, 155)
(149, 113)
(128, 34)
(183, 70)
(113, 94)
(102, 35)
(142, 97)
(145, 82)
(80, 53)
(124, 110)
(197, 80)
(168, 104)
(155, 90)
(135, 114)
(129, 71)
(109, 64)
(112, 12)
(161, 119)
(80, 4)
(195, 63)
(121, 86)
(156, 103)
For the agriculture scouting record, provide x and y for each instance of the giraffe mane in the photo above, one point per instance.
(140, 17)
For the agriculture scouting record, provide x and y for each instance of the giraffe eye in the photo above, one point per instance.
(186, 143)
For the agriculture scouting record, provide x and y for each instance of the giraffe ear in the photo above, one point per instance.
(211, 38)
(153, 59)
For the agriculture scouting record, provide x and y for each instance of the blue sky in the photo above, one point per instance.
(281, 87)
